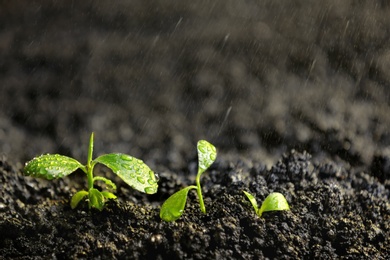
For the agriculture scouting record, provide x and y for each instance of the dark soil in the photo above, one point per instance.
(294, 95)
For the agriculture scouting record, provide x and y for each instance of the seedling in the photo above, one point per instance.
(173, 207)
(131, 170)
(274, 201)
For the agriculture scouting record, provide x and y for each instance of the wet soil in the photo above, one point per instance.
(294, 95)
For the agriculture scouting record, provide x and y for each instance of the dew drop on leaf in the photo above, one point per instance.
(127, 166)
(126, 157)
(141, 180)
(151, 174)
(202, 148)
(149, 190)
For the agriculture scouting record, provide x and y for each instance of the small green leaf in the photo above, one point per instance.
(51, 166)
(108, 195)
(274, 201)
(96, 199)
(108, 182)
(77, 198)
(252, 200)
(173, 207)
(207, 154)
(132, 171)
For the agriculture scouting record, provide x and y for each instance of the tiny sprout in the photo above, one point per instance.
(173, 207)
(131, 170)
(274, 201)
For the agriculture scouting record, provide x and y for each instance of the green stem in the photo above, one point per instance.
(199, 191)
(89, 163)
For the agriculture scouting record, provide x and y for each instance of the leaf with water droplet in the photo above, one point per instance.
(173, 207)
(274, 201)
(207, 154)
(131, 170)
(51, 166)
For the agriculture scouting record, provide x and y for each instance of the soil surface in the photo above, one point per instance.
(294, 95)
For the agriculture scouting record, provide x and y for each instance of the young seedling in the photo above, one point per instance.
(173, 207)
(274, 201)
(131, 170)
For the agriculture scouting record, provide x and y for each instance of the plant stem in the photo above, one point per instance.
(199, 191)
(89, 164)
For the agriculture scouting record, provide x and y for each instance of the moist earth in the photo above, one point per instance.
(294, 95)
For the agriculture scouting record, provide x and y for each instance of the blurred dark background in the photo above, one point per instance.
(150, 78)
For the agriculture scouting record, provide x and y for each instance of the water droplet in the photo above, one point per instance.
(151, 174)
(127, 167)
(126, 157)
(150, 190)
(151, 182)
(201, 148)
(141, 180)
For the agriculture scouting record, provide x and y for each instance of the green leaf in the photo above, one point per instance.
(206, 155)
(132, 171)
(96, 199)
(108, 195)
(108, 182)
(51, 166)
(252, 200)
(173, 207)
(274, 201)
(77, 198)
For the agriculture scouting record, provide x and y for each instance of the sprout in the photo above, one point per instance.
(274, 201)
(131, 170)
(173, 207)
